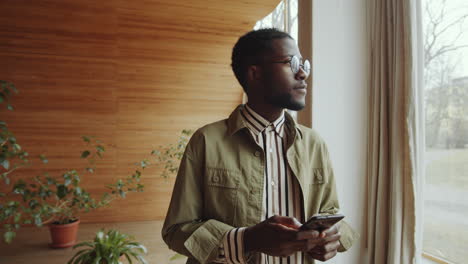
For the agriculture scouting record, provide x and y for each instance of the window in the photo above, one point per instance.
(284, 17)
(445, 233)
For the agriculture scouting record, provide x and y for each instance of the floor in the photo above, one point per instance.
(31, 244)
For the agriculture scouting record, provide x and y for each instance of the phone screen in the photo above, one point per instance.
(321, 222)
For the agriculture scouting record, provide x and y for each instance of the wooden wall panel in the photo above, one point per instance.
(132, 73)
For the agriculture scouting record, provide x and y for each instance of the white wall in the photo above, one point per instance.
(339, 82)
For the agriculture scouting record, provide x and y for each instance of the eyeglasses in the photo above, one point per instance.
(297, 64)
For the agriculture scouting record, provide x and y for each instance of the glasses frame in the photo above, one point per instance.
(296, 64)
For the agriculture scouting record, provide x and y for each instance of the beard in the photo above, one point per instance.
(285, 101)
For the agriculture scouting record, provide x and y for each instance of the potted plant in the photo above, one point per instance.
(108, 248)
(56, 201)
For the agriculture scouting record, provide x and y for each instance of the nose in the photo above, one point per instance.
(301, 74)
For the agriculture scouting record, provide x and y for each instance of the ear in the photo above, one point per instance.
(254, 73)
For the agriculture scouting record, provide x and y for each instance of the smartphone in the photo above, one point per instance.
(321, 222)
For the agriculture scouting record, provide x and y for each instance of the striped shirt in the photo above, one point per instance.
(281, 196)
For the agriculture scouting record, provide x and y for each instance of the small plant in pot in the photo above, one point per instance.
(57, 201)
(108, 248)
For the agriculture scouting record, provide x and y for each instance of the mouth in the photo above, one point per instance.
(301, 87)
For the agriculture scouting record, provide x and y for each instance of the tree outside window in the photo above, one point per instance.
(445, 24)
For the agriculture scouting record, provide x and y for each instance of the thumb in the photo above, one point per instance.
(290, 222)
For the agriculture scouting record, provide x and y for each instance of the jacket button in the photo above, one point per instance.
(257, 153)
(215, 179)
(319, 177)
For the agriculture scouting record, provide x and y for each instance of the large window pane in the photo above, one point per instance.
(446, 109)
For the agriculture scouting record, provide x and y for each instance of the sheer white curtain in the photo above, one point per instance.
(394, 147)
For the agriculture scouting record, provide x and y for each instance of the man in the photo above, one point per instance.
(245, 184)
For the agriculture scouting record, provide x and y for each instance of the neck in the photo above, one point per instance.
(268, 112)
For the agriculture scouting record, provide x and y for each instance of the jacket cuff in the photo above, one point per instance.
(203, 244)
(348, 236)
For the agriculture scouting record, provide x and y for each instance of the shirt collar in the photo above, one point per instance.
(237, 122)
(257, 124)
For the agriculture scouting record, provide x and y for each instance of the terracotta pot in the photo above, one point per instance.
(63, 236)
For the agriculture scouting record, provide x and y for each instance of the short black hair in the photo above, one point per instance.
(250, 48)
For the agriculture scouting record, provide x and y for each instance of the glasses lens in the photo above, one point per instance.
(306, 67)
(295, 64)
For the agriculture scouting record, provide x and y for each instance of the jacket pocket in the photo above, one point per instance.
(221, 194)
(223, 178)
(319, 176)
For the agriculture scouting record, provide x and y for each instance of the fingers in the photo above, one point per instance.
(323, 257)
(307, 234)
(286, 221)
(331, 230)
(325, 248)
(325, 252)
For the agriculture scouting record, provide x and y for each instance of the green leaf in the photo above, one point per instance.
(62, 191)
(10, 107)
(90, 170)
(85, 154)
(86, 139)
(176, 256)
(100, 148)
(6, 164)
(16, 147)
(33, 203)
(43, 159)
(67, 182)
(76, 180)
(9, 235)
(38, 220)
(17, 217)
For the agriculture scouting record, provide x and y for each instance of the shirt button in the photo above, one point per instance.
(271, 150)
(257, 153)
(272, 183)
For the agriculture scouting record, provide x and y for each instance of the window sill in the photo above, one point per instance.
(435, 259)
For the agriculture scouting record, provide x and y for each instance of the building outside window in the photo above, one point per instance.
(445, 235)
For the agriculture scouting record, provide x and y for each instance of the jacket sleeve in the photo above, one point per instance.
(330, 205)
(185, 230)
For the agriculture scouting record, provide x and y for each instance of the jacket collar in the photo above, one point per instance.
(236, 122)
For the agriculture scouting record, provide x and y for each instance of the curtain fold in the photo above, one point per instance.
(393, 161)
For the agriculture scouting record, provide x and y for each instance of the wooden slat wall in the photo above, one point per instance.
(132, 73)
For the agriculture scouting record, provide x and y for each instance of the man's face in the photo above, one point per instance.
(281, 87)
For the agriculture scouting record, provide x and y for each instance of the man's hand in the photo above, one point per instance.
(326, 245)
(278, 236)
